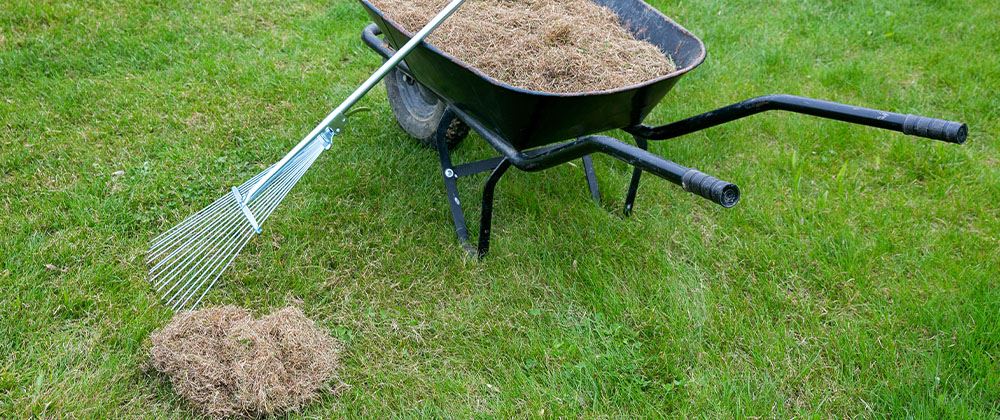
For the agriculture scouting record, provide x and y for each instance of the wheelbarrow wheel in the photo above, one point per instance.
(421, 113)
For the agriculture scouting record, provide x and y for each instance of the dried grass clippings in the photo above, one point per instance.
(226, 363)
(557, 46)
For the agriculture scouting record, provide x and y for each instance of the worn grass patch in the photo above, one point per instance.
(857, 277)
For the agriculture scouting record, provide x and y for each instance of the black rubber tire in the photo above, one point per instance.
(421, 113)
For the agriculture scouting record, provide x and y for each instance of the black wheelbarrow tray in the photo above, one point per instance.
(436, 98)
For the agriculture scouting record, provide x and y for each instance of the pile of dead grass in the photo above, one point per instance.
(559, 46)
(227, 363)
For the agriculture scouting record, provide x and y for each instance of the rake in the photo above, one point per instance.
(187, 260)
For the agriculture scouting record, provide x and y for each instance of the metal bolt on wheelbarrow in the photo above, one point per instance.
(437, 99)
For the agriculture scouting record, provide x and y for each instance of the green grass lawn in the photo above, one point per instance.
(857, 277)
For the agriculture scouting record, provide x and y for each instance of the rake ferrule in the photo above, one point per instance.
(327, 136)
(246, 211)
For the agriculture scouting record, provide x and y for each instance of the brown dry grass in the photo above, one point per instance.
(559, 46)
(227, 363)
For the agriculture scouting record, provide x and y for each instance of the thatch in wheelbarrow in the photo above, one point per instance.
(226, 363)
(557, 46)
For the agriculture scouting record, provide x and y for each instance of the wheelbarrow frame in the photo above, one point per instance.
(543, 157)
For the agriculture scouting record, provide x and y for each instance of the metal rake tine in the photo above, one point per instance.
(284, 184)
(195, 242)
(237, 247)
(190, 250)
(294, 173)
(233, 219)
(265, 207)
(164, 239)
(269, 206)
(206, 223)
(194, 236)
(181, 297)
(196, 276)
(159, 240)
(214, 279)
(190, 267)
(197, 217)
(192, 278)
(194, 219)
(179, 261)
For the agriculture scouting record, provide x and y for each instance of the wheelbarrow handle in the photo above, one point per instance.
(720, 192)
(717, 191)
(713, 189)
(932, 128)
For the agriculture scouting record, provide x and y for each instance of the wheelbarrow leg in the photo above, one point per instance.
(486, 219)
(633, 187)
(588, 169)
(451, 189)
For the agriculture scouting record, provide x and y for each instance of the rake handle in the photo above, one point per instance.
(339, 115)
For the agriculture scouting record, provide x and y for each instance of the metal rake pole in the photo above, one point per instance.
(187, 260)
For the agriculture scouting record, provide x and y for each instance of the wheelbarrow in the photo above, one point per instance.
(437, 99)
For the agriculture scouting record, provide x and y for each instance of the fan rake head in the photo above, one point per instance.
(187, 260)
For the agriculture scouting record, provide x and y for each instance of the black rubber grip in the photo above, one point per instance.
(933, 128)
(718, 191)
